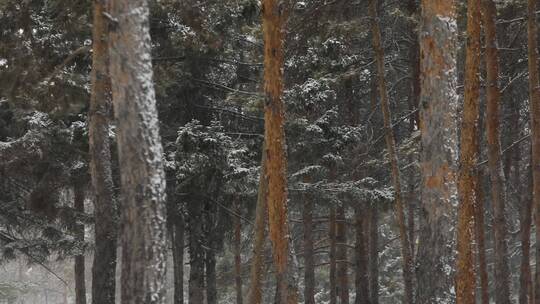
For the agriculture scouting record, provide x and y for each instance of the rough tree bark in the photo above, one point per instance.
(196, 252)
(257, 266)
(391, 147)
(178, 257)
(332, 239)
(373, 255)
(106, 229)
(210, 237)
(80, 282)
(534, 101)
(309, 263)
(465, 279)
(361, 281)
(414, 95)
(525, 279)
(438, 117)
(479, 233)
(498, 188)
(341, 256)
(140, 155)
(273, 14)
(238, 251)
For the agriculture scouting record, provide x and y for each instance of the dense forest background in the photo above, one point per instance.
(378, 207)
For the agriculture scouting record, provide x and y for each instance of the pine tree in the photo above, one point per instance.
(106, 230)
(438, 116)
(140, 154)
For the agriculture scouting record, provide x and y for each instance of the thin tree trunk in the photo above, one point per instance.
(309, 263)
(210, 268)
(361, 278)
(238, 252)
(80, 283)
(391, 147)
(210, 220)
(341, 256)
(498, 189)
(479, 233)
(373, 255)
(196, 252)
(332, 238)
(140, 155)
(465, 280)
(525, 279)
(105, 210)
(534, 100)
(438, 125)
(273, 32)
(257, 266)
(178, 258)
(414, 94)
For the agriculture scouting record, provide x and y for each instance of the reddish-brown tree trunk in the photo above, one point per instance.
(479, 233)
(257, 266)
(273, 14)
(391, 147)
(465, 280)
(498, 189)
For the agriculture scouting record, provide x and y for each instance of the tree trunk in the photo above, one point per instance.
(210, 268)
(414, 94)
(211, 218)
(525, 280)
(140, 155)
(105, 228)
(373, 255)
(480, 238)
(257, 266)
(238, 252)
(361, 279)
(498, 189)
(196, 252)
(80, 283)
(391, 147)
(178, 258)
(341, 256)
(534, 100)
(273, 31)
(332, 238)
(309, 263)
(438, 117)
(465, 280)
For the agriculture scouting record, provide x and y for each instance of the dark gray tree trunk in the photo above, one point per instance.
(309, 263)
(105, 209)
(196, 252)
(178, 258)
(140, 154)
(373, 255)
(80, 282)
(361, 262)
